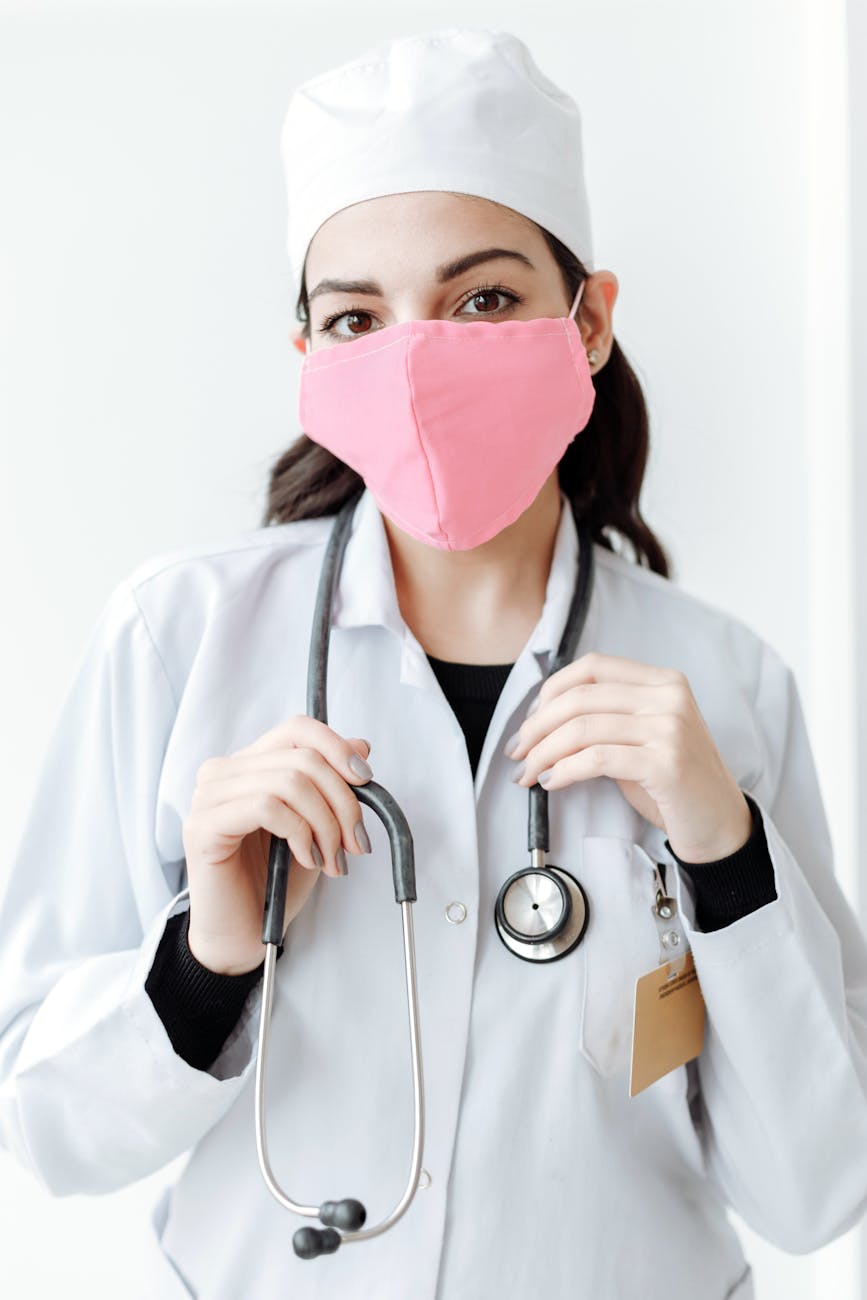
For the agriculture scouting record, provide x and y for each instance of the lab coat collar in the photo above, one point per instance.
(366, 593)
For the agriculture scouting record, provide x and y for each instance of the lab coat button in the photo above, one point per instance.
(456, 912)
(424, 1179)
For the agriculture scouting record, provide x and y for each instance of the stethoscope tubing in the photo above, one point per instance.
(312, 1211)
(375, 796)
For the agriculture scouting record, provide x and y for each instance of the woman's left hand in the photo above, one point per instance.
(604, 715)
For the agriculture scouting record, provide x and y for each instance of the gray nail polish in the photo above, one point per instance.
(342, 864)
(519, 771)
(362, 836)
(359, 767)
(510, 744)
(316, 855)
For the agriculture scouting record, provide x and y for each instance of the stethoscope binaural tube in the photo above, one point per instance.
(343, 1219)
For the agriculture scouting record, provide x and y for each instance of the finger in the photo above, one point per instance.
(579, 734)
(597, 667)
(343, 803)
(620, 762)
(276, 771)
(299, 793)
(303, 730)
(285, 739)
(241, 816)
(585, 699)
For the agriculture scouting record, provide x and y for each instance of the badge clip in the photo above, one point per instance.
(669, 1013)
(673, 946)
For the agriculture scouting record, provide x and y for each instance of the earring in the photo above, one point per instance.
(593, 356)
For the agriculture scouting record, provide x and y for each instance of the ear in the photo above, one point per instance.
(298, 341)
(596, 309)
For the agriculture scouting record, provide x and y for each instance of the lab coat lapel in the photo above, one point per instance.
(367, 595)
(531, 667)
(366, 592)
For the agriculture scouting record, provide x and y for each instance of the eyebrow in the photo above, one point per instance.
(448, 271)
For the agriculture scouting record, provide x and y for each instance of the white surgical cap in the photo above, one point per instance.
(463, 109)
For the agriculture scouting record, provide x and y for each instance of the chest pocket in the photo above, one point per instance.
(621, 944)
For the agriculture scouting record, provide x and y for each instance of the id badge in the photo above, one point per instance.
(669, 1010)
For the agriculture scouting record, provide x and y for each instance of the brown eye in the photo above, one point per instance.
(341, 318)
(355, 316)
(488, 300)
(490, 295)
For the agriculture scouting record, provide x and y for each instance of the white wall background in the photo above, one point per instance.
(146, 380)
(858, 304)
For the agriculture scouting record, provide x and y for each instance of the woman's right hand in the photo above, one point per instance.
(295, 781)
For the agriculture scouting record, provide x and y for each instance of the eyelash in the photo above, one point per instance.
(330, 321)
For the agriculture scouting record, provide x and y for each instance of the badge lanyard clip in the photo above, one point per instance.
(673, 944)
(669, 1012)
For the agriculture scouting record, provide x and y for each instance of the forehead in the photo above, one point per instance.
(420, 229)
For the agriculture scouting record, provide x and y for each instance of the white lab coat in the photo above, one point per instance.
(546, 1178)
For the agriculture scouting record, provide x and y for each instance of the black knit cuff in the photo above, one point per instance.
(198, 1007)
(732, 887)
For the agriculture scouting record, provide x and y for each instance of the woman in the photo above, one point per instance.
(675, 736)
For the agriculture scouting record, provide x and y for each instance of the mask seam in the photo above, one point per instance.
(562, 329)
(503, 513)
(411, 528)
(393, 343)
(574, 349)
(557, 333)
(422, 443)
(341, 360)
(571, 337)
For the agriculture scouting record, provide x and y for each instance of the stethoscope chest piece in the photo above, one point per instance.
(541, 913)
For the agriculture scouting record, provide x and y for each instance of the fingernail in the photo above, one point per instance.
(362, 836)
(534, 706)
(510, 744)
(316, 855)
(342, 864)
(519, 770)
(542, 778)
(359, 767)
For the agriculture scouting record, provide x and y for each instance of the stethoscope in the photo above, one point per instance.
(541, 911)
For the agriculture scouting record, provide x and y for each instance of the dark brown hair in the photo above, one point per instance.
(601, 471)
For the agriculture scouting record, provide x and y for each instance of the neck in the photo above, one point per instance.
(478, 606)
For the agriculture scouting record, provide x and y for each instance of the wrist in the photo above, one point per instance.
(215, 959)
(731, 841)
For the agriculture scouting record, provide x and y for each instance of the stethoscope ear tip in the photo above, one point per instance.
(347, 1214)
(308, 1243)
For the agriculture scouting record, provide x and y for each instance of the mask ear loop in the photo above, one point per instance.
(576, 300)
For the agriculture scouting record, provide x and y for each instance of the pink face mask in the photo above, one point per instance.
(454, 426)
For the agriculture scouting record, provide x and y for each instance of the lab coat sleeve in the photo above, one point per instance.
(92, 1094)
(783, 1070)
